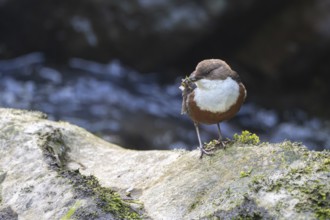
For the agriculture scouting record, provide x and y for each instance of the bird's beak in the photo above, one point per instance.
(192, 79)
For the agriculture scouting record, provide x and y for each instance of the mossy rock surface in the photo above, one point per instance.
(58, 170)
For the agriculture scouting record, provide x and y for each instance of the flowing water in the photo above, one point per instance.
(136, 110)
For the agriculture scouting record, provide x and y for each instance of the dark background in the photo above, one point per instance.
(113, 67)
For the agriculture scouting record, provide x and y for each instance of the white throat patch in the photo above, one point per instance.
(216, 95)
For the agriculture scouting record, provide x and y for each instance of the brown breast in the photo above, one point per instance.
(207, 117)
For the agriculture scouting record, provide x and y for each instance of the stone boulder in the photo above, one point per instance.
(55, 170)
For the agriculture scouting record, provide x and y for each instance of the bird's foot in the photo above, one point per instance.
(209, 148)
(206, 152)
(221, 143)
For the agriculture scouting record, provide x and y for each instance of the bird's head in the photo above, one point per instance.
(210, 70)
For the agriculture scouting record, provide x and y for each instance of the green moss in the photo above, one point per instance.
(245, 173)
(247, 138)
(71, 211)
(323, 214)
(299, 181)
(197, 201)
(257, 182)
(110, 201)
(325, 166)
(326, 161)
(257, 178)
(107, 199)
(318, 199)
(193, 206)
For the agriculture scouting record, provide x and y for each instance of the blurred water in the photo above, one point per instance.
(135, 110)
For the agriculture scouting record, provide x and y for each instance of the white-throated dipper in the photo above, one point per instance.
(211, 94)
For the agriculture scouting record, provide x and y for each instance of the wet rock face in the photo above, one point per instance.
(55, 170)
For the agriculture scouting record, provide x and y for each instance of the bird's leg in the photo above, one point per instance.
(221, 142)
(219, 132)
(203, 151)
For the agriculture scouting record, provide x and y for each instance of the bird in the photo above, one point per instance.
(213, 93)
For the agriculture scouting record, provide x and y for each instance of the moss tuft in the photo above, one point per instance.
(247, 138)
(107, 199)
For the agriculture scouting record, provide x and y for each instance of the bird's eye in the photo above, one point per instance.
(209, 71)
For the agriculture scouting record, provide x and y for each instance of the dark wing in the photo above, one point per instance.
(188, 87)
